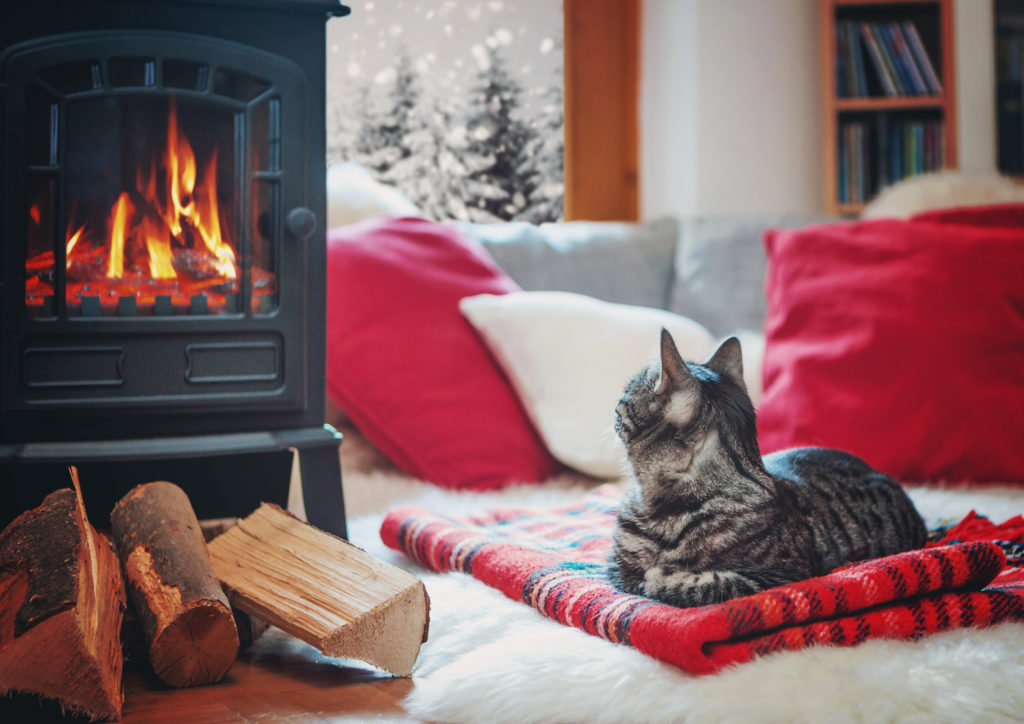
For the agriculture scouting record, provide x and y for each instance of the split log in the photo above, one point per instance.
(323, 590)
(61, 604)
(187, 621)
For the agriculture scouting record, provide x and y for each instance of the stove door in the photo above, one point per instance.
(157, 256)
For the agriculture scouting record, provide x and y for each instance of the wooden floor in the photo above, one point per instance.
(278, 679)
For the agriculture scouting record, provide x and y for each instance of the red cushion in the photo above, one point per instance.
(1007, 215)
(901, 342)
(409, 370)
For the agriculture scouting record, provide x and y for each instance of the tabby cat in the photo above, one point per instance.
(707, 518)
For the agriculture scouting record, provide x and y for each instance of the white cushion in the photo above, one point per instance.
(354, 195)
(569, 357)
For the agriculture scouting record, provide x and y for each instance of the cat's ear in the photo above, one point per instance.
(728, 360)
(674, 371)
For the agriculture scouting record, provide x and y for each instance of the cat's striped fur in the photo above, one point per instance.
(708, 518)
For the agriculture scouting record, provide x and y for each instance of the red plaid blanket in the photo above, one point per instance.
(970, 574)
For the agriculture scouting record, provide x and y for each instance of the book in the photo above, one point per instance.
(920, 87)
(844, 190)
(884, 76)
(859, 81)
(923, 62)
(858, 163)
(896, 152)
(891, 61)
(1010, 126)
(882, 153)
(841, 63)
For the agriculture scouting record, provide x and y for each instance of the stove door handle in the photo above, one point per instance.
(300, 222)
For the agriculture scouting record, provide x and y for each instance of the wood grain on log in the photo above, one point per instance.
(185, 615)
(61, 604)
(322, 589)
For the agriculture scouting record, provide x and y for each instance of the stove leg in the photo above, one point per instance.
(320, 470)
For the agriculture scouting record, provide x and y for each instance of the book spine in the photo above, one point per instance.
(895, 152)
(890, 61)
(892, 48)
(1009, 125)
(908, 150)
(907, 57)
(859, 83)
(882, 155)
(844, 190)
(884, 78)
(858, 163)
(919, 139)
(851, 163)
(840, 62)
(934, 86)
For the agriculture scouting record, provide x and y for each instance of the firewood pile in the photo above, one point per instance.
(72, 600)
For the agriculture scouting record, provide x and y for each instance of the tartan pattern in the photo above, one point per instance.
(969, 574)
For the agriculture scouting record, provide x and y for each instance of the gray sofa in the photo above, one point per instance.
(710, 269)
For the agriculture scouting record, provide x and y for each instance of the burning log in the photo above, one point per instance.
(61, 604)
(184, 613)
(323, 590)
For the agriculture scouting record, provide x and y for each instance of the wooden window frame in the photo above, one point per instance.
(602, 71)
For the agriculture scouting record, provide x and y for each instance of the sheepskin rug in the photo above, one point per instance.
(490, 659)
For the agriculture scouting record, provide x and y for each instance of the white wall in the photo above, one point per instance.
(730, 104)
(976, 85)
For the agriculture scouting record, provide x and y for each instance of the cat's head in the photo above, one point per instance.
(676, 403)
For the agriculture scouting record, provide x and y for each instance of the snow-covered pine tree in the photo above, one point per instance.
(501, 181)
(546, 154)
(384, 129)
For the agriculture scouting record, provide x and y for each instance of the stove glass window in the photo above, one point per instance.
(142, 194)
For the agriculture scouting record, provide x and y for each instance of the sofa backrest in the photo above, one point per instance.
(617, 262)
(710, 269)
(720, 267)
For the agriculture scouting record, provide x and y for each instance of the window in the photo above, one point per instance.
(457, 104)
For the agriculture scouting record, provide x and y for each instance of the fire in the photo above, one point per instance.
(158, 244)
(72, 240)
(168, 235)
(118, 223)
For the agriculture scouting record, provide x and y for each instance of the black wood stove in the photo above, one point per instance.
(162, 251)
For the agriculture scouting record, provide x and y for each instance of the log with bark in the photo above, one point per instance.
(61, 604)
(323, 590)
(187, 621)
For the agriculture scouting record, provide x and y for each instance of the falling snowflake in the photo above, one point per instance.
(461, 108)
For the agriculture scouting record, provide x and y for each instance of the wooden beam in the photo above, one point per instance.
(602, 70)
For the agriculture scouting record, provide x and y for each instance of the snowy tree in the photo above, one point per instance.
(501, 179)
(432, 174)
(546, 153)
(384, 132)
(460, 144)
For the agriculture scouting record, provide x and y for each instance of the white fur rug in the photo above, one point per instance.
(490, 659)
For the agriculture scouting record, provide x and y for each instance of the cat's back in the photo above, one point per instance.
(857, 512)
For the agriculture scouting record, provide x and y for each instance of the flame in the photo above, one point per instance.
(158, 244)
(210, 232)
(118, 223)
(147, 230)
(72, 241)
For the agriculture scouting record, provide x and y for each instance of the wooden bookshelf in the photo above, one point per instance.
(880, 129)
